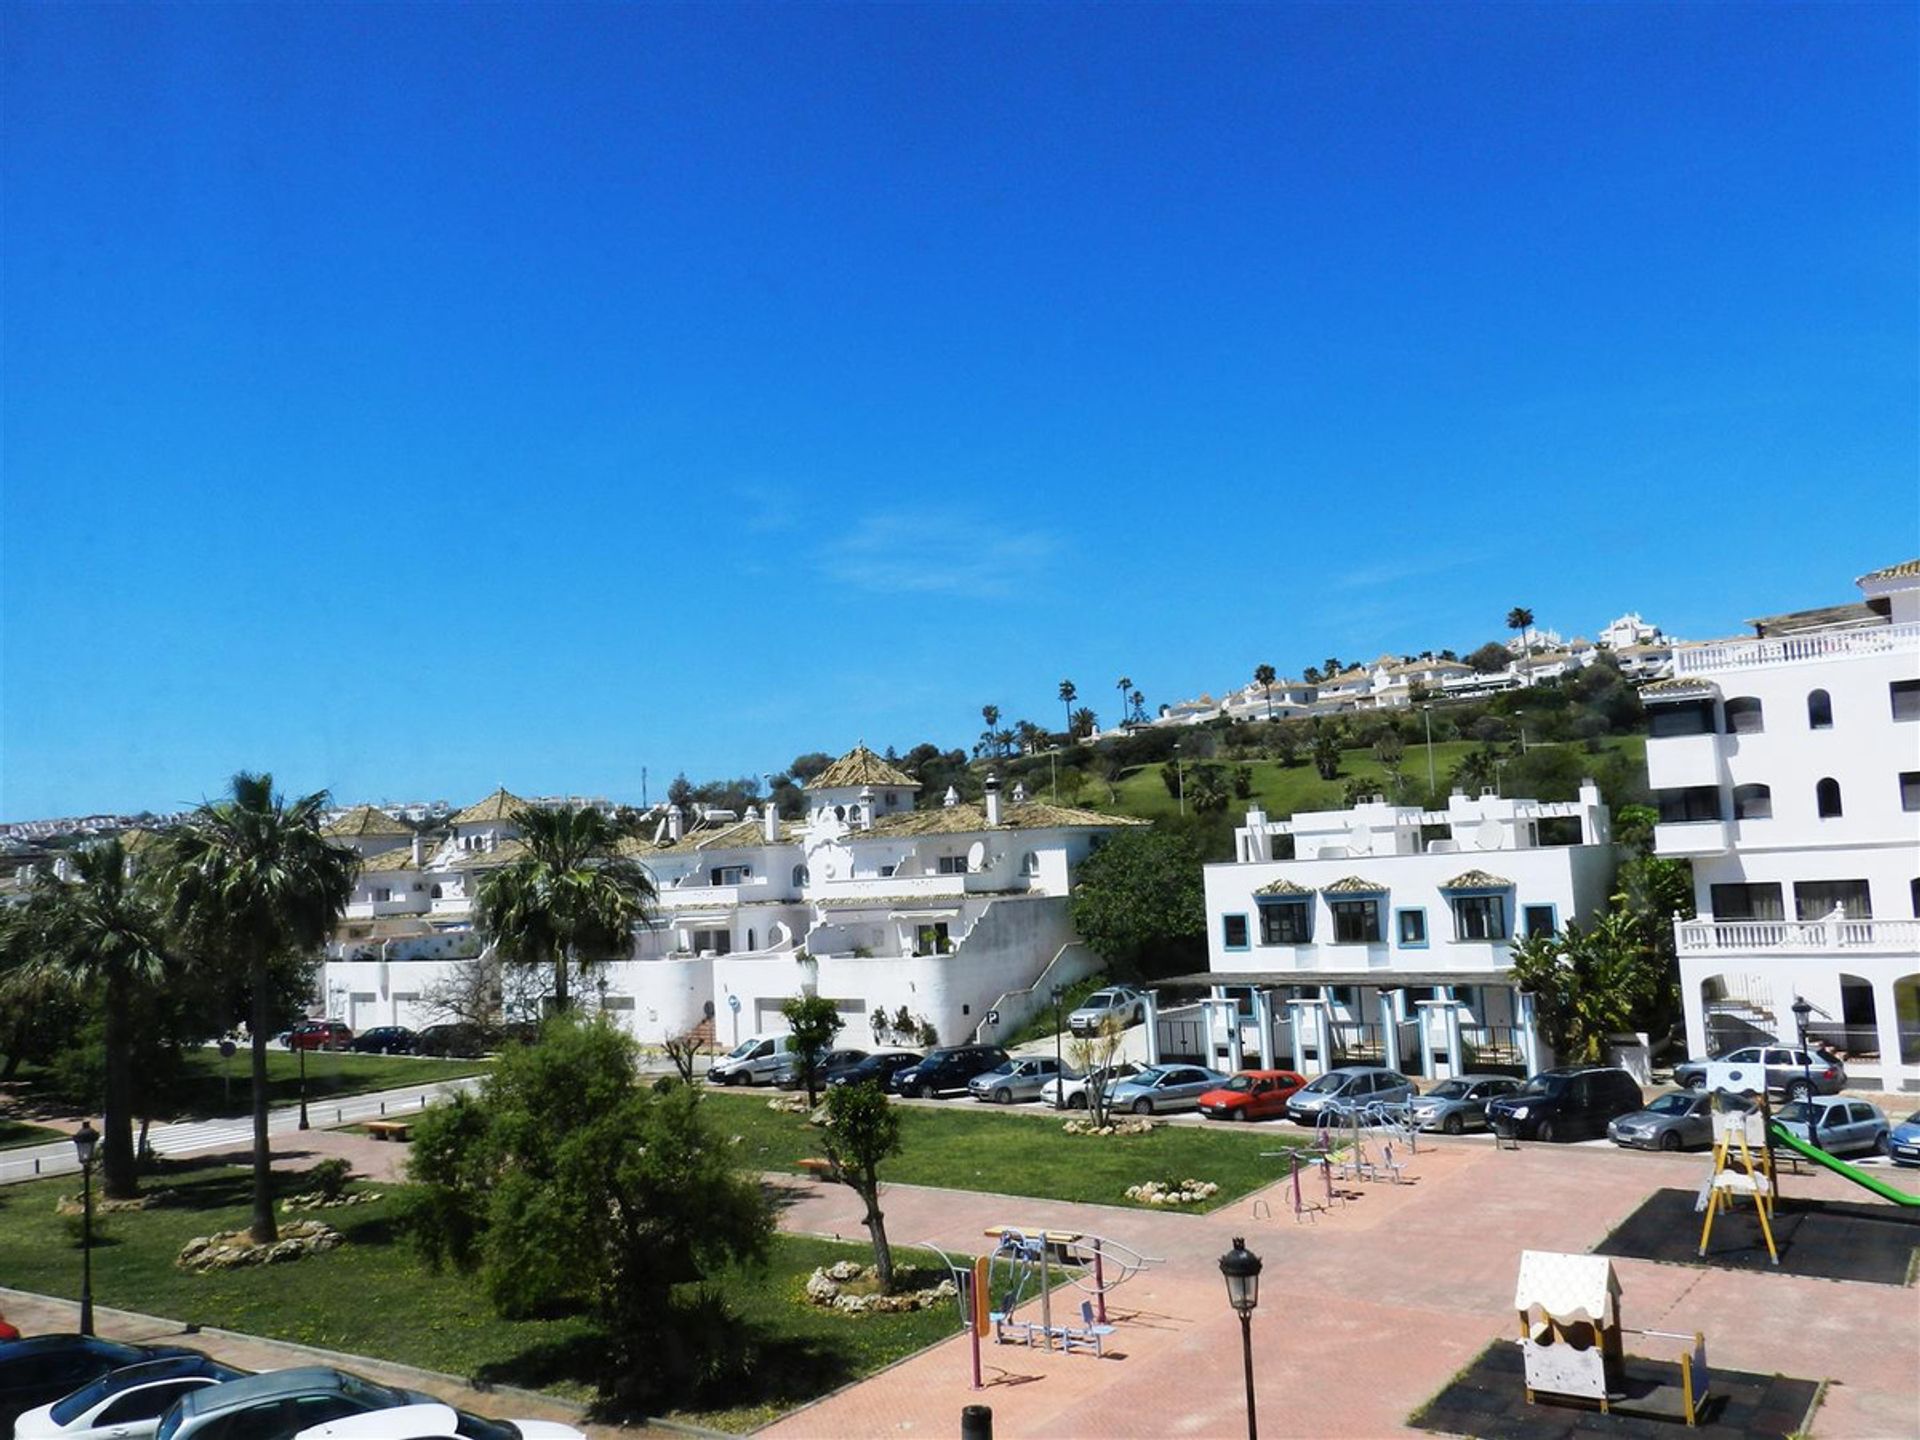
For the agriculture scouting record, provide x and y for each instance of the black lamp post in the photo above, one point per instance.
(85, 1141)
(1180, 777)
(1059, 1073)
(1241, 1268)
(303, 1080)
(1801, 1010)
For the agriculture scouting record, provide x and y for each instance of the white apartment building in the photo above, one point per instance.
(1381, 934)
(1787, 769)
(948, 913)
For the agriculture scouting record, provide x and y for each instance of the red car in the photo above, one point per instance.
(1252, 1095)
(320, 1035)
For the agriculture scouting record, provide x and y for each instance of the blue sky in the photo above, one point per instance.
(409, 400)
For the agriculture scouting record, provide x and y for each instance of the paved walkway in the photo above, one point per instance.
(1365, 1314)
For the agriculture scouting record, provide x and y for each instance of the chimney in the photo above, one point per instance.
(866, 807)
(419, 851)
(951, 798)
(675, 823)
(770, 823)
(992, 788)
(1019, 792)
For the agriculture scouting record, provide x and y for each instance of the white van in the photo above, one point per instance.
(754, 1061)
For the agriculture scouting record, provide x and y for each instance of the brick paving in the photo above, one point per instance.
(1366, 1313)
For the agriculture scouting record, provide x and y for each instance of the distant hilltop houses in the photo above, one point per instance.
(1641, 651)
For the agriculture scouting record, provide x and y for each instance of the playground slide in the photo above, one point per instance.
(1842, 1168)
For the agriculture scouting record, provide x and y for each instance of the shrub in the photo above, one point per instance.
(329, 1177)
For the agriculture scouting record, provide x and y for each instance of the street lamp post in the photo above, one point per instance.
(1180, 777)
(1801, 1010)
(1241, 1269)
(295, 1037)
(85, 1141)
(1059, 1074)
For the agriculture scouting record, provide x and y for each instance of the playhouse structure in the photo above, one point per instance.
(1569, 1309)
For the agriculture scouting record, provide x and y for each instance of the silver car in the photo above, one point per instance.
(125, 1404)
(1790, 1071)
(1341, 1092)
(1677, 1120)
(1019, 1078)
(1840, 1125)
(1116, 1002)
(1075, 1086)
(1160, 1088)
(1459, 1104)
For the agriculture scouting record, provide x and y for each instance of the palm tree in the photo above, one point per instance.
(1521, 619)
(1068, 694)
(104, 932)
(1123, 685)
(1264, 676)
(570, 900)
(254, 884)
(1082, 722)
(1138, 699)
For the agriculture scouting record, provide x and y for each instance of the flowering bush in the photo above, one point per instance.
(1172, 1192)
(1137, 1125)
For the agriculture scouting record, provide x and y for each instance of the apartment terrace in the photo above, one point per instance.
(1877, 639)
(1796, 937)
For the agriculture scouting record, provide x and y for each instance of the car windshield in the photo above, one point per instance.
(1101, 998)
(1549, 1085)
(84, 1399)
(1674, 1104)
(1794, 1114)
(1330, 1084)
(1913, 1119)
(1239, 1082)
(1449, 1090)
(738, 1052)
(1005, 1067)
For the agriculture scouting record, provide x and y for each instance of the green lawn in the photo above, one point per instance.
(373, 1297)
(1284, 789)
(15, 1133)
(964, 1145)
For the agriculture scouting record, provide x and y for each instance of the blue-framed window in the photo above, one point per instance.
(1286, 922)
(1539, 920)
(1356, 921)
(1479, 914)
(1233, 932)
(1411, 926)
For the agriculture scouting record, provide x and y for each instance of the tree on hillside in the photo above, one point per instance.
(1125, 686)
(1208, 789)
(1324, 748)
(570, 901)
(814, 1021)
(863, 1129)
(1137, 702)
(1082, 723)
(808, 765)
(567, 1180)
(989, 747)
(1520, 620)
(253, 881)
(1264, 676)
(1139, 902)
(1491, 658)
(1031, 737)
(105, 932)
(1068, 694)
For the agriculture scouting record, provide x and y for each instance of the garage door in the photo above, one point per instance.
(767, 1019)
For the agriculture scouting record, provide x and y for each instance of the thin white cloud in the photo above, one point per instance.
(931, 553)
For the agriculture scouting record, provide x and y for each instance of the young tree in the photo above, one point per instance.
(861, 1131)
(253, 882)
(1068, 694)
(1264, 676)
(814, 1022)
(1207, 789)
(1325, 750)
(568, 1180)
(1095, 1056)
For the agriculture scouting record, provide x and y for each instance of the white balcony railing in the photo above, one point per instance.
(1746, 937)
(1691, 837)
(1792, 649)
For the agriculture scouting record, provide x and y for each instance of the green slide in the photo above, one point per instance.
(1840, 1167)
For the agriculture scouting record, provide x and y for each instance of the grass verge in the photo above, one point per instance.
(15, 1133)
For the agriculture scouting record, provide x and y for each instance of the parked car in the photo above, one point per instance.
(1116, 1002)
(1252, 1095)
(1677, 1120)
(1014, 1079)
(42, 1368)
(1572, 1102)
(320, 1035)
(1459, 1104)
(435, 1422)
(881, 1068)
(756, 1059)
(947, 1069)
(279, 1404)
(457, 1039)
(1076, 1085)
(1840, 1126)
(1341, 1092)
(834, 1062)
(385, 1040)
(1903, 1142)
(1791, 1072)
(1160, 1088)
(123, 1404)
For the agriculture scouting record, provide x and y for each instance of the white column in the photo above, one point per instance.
(1530, 1046)
(1152, 1027)
(1226, 1007)
(1456, 1047)
(1263, 1017)
(1887, 1021)
(1389, 1031)
(1300, 1013)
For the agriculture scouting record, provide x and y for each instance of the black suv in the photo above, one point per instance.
(1573, 1102)
(949, 1068)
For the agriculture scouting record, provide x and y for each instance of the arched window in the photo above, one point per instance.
(1826, 797)
(434, 893)
(1752, 802)
(1743, 716)
(799, 875)
(1030, 863)
(1819, 710)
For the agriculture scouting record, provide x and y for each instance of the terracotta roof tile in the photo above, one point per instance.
(967, 817)
(860, 766)
(1477, 880)
(500, 805)
(365, 822)
(1282, 887)
(1905, 570)
(1353, 885)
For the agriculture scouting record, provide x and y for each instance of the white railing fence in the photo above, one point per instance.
(1789, 649)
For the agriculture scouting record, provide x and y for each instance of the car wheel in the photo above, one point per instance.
(1453, 1125)
(1881, 1144)
(736, 1078)
(1003, 1096)
(1143, 1107)
(1670, 1140)
(1544, 1133)
(1077, 1100)
(1799, 1090)
(922, 1092)
(1697, 1082)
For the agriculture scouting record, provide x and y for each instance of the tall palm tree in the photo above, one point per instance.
(1520, 619)
(105, 933)
(1264, 676)
(570, 900)
(1123, 685)
(255, 884)
(1138, 699)
(1068, 694)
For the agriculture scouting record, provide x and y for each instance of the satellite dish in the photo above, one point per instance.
(976, 856)
(1491, 835)
(1359, 839)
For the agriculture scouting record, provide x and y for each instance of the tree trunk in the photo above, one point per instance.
(560, 1001)
(877, 1228)
(263, 1229)
(119, 1178)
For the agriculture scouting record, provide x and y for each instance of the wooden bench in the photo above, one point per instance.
(390, 1129)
